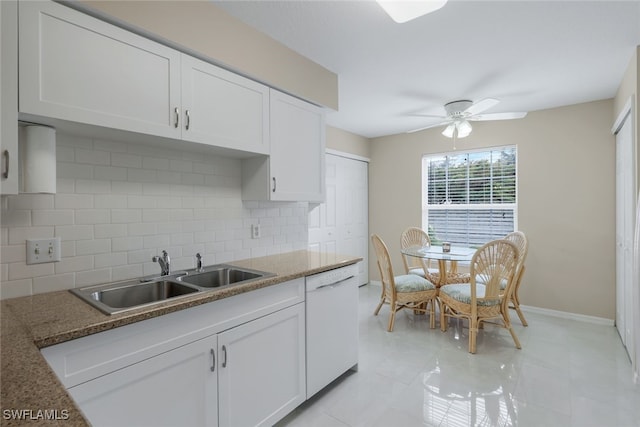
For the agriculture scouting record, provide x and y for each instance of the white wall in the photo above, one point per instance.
(118, 204)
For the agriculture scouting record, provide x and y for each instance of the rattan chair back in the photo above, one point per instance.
(384, 266)
(521, 241)
(414, 237)
(491, 264)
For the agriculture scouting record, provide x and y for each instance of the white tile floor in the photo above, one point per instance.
(568, 373)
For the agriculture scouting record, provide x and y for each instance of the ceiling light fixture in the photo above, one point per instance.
(458, 129)
(405, 10)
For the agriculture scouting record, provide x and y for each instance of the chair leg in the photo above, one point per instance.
(443, 318)
(473, 333)
(516, 307)
(392, 319)
(432, 314)
(507, 324)
(375, 313)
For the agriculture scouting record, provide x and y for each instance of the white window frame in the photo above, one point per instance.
(465, 207)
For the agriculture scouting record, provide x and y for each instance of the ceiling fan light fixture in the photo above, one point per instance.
(464, 128)
(405, 10)
(449, 130)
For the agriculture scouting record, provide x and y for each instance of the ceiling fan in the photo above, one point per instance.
(460, 113)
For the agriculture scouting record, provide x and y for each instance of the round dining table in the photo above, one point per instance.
(446, 275)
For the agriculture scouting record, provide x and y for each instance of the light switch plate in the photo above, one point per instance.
(255, 231)
(43, 250)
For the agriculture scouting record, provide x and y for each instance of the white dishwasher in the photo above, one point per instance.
(332, 326)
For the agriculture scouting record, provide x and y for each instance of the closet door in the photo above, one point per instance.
(625, 205)
(341, 223)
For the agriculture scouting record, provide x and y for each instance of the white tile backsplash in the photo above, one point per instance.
(118, 204)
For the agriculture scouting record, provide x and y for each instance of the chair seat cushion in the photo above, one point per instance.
(462, 292)
(420, 272)
(412, 283)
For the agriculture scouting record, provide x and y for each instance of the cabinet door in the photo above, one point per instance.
(262, 369)
(223, 109)
(78, 68)
(297, 149)
(176, 388)
(9, 97)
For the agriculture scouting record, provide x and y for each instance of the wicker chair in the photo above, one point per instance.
(417, 237)
(407, 291)
(520, 240)
(481, 299)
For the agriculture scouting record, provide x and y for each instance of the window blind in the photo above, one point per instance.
(470, 198)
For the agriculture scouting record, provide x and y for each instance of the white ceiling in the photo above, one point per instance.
(531, 55)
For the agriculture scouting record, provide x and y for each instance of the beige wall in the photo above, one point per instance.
(341, 140)
(201, 27)
(566, 194)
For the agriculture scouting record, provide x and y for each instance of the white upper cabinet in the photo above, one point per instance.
(297, 149)
(78, 68)
(295, 169)
(9, 97)
(224, 109)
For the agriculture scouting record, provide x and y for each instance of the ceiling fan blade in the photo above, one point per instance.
(429, 126)
(497, 116)
(428, 115)
(482, 105)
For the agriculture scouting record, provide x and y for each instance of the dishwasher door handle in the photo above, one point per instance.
(332, 285)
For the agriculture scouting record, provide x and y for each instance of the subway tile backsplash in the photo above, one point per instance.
(118, 204)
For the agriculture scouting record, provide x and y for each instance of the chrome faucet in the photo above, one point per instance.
(165, 263)
(198, 262)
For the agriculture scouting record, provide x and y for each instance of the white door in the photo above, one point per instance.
(261, 375)
(353, 176)
(625, 205)
(341, 223)
(323, 232)
(176, 388)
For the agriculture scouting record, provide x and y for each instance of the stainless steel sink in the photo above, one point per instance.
(117, 297)
(222, 275)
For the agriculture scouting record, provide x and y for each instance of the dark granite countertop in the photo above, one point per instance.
(30, 391)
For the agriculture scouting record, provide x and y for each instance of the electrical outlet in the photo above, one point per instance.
(255, 231)
(43, 250)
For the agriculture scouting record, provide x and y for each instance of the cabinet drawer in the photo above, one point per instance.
(89, 357)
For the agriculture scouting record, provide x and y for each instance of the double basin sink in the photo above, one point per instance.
(128, 295)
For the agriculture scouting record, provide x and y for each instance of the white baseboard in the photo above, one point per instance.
(566, 315)
(548, 312)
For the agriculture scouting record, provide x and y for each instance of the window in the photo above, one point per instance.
(469, 198)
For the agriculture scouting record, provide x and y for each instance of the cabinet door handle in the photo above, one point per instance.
(177, 122)
(224, 350)
(274, 184)
(5, 154)
(188, 119)
(213, 360)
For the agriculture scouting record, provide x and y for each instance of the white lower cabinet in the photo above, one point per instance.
(176, 388)
(239, 361)
(262, 369)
